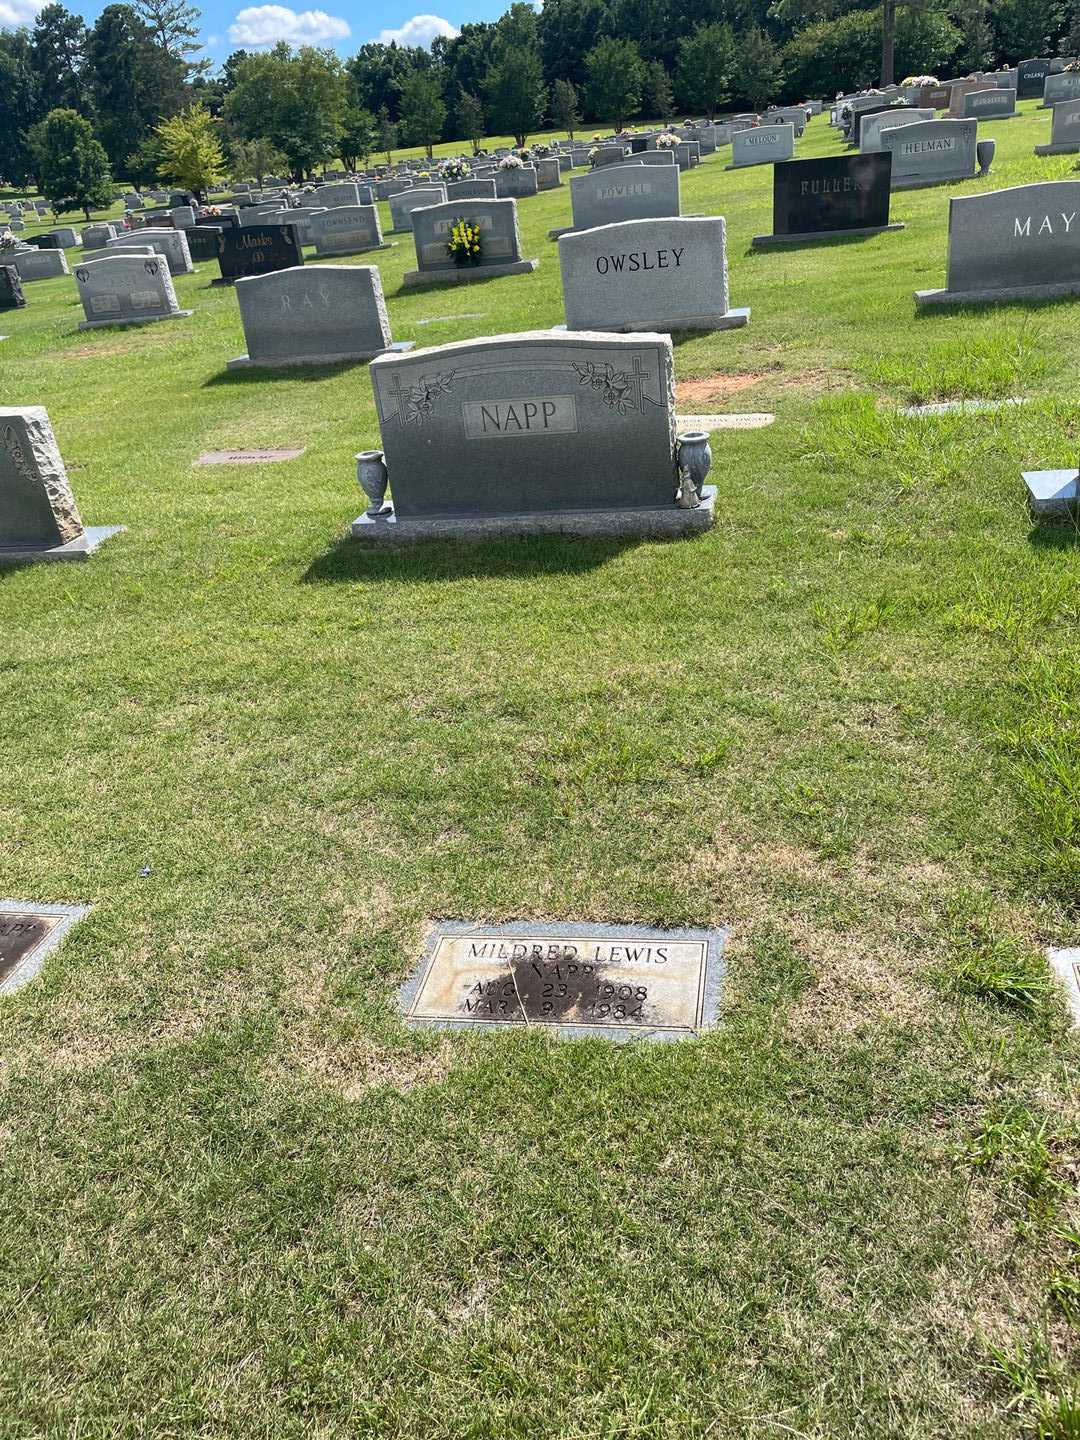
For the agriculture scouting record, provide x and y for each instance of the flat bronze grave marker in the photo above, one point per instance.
(28, 932)
(622, 982)
(247, 457)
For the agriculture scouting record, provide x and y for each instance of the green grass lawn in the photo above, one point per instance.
(240, 1199)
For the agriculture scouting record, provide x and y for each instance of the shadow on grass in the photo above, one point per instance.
(259, 374)
(438, 561)
(1062, 535)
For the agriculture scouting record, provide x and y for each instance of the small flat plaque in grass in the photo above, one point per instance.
(623, 982)
(247, 457)
(28, 932)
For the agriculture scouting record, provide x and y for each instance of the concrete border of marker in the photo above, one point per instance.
(33, 962)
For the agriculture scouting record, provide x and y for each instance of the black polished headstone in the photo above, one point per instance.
(1031, 79)
(203, 241)
(835, 194)
(11, 291)
(257, 250)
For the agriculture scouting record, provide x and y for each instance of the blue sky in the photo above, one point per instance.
(233, 24)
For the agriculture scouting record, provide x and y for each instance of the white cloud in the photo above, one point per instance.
(420, 30)
(267, 24)
(14, 13)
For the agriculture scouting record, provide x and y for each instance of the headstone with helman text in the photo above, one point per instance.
(932, 153)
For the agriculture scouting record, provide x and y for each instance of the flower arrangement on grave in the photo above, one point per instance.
(666, 140)
(920, 80)
(465, 246)
(510, 162)
(7, 240)
(1073, 68)
(454, 170)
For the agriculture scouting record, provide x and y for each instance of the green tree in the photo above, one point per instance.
(58, 55)
(565, 112)
(659, 102)
(113, 64)
(976, 37)
(1070, 44)
(706, 65)
(845, 54)
(423, 113)
(73, 169)
(387, 132)
(357, 136)
(568, 30)
(294, 100)
(174, 25)
(18, 86)
(191, 154)
(514, 85)
(256, 158)
(470, 118)
(759, 71)
(1025, 29)
(615, 78)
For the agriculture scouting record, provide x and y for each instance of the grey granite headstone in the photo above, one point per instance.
(387, 189)
(537, 433)
(656, 275)
(1016, 244)
(993, 104)
(39, 264)
(39, 519)
(622, 192)
(872, 126)
(577, 980)
(126, 290)
(95, 237)
(459, 190)
(787, 115)
(1064, 130)
(328, 196)
(515, 184)
(171, 244)
(609, 155)
(183, 216)
(932, 153)
(1053, 494)
(313, 315)
(548, 174)
(347, 230)
(65, 236)
(11, 291)
(763, 146)
(300, 217)
(1061, 87)
(402, 206)
(500, 242)
(133, 249)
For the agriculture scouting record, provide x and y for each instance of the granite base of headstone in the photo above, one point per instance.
(838, 197)
(39, 519)
(539, 433)
(29, 933)
(1017, 244)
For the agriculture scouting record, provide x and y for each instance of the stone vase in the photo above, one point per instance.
(984, 153)
(695, 455)
(372, 477)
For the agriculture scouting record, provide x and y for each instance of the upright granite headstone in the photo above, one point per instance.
(1031, 79)
(126, 290)
(548, 174)
(257, 250)
(96, 237)
(932, 153)
(1016, 244)
(656, 275)
(1064, 130)
(39, 264)
(202, 242)
(348, 230)
(621, 192)
(845, 195)
(402, 206)
(459, 190)
(329, 196)
(314, 315)
(170, 244)
(763, 146)
(516, 184)
(993, 104)
(874, 123)
(534, 433)
(387, 189)
(11, 291)
(500, 243)
(1065, 86)
(39, 519)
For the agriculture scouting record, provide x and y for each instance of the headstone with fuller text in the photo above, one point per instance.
(126, 290)
(313, 315)
(621, 192)
(763, 146)
(347, 230)
(500, 242)
(537, 433)
(838, 195)
(1064, 130)
(657, 275)
(257, 250)
(1017, 244)
(39, 519)
(932, 153)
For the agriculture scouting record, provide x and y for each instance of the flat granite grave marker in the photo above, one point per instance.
(39, 519)
(126, 290)
(621, 192)
(29, 932)
(623, 983)
(500, 243)
(537, 433)
(844, 195)
(257, 250)
(932, 153)
(348, 230)
(763, 146)
(1017, 244)
(11, 291)
(1065, 963)
(1064, 130)
(314, 315)
(655, 275)
(249, 457)
(1053, 494)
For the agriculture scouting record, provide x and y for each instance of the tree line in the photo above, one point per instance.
(132, 83)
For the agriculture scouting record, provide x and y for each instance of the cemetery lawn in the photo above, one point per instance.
(240, 1199)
